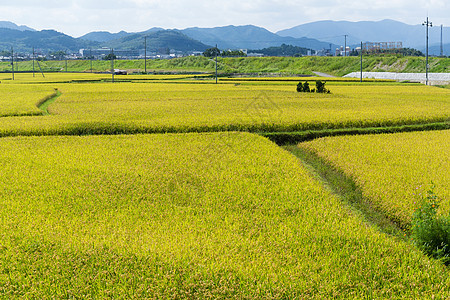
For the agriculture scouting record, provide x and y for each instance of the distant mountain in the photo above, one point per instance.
(11, 25)
(157, 41)
(103, 36)
(248, 37)
(412, 36)
(436, 49)
(316, 35)
(45, 41)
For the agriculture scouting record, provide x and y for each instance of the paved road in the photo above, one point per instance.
(323, 74)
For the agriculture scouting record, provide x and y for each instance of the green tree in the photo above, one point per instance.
(109, 57)
(211, 52)
(233, 53)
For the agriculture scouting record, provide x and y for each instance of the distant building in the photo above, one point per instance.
(251, 54)
(340, 51)
(196, 53)
(323, 52)
(374, 47)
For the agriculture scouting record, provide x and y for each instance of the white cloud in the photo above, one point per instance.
(77, 17)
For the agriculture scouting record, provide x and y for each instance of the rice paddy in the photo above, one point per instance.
(161, 187)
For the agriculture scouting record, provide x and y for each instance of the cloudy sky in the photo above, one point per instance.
(77, 17)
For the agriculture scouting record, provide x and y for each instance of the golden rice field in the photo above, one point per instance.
(201, 209)
(23, 100)
(220, 215)
(28, 78)
(189, 107)
(393, 170)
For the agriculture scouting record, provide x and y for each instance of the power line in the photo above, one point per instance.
(12, 62)
(145, 54)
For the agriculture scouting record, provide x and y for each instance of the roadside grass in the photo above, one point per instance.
(220, 215)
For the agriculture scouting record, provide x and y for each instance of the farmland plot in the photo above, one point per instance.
(169, 107)
(393, 170)
(188, 215)
(22, 100)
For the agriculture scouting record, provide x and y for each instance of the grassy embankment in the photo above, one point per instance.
(337, 66)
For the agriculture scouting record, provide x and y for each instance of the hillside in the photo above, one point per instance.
(44, 41)
(11, 25)
(103, 36)
(249, 37)
(158, 40)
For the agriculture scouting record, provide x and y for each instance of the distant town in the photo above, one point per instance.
(107, 53)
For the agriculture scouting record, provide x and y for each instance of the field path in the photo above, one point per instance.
(45, 103)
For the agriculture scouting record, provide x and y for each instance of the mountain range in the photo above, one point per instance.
(315, 35)
(11, 25)
(412, 36)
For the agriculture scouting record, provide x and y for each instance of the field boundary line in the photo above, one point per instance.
(45, 102)
(347, 190)
(289, 138)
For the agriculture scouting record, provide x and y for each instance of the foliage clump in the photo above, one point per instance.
(320, 88)
(431, 232)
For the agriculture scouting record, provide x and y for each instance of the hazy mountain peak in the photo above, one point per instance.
(11, 25)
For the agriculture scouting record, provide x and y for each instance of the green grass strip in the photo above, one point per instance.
(286, 138)
(347, 190)
(45, 103)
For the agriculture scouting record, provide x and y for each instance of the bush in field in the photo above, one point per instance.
(320, 88)
(431, 232)
(306, 88)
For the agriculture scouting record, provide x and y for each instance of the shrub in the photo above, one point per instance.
(431, 232)
(306, 88)
(320, 87)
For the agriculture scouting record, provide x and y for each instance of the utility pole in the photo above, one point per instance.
(90, 58)
(112, 64)
(427, 24)
(145, 54)
(217, 49)
(361, 61)
(34, 57)
(345, 46)
(12, 62)
(33, 60)
(442, 45)
(65, 57)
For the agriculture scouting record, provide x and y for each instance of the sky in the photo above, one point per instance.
(78, 17)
